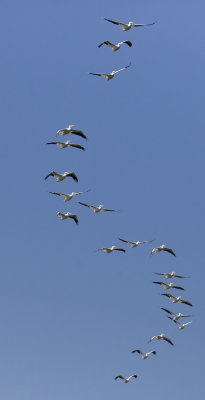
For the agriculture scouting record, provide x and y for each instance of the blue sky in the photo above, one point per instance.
(70, 317)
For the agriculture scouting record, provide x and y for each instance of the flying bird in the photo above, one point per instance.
(68, 215)
(169, 275)
(117, 46)
(111, 249)
(144, 356)
(112, 74)
(162, 248)
(135, 244)
(61, 177)
(70, 129)
(67, 144)
(176, 299)
(158, 337)
(126, 380)
(67, 197)
(169, 286)
(180, 326)
(96, 209)
(175, 317)
(126, 27)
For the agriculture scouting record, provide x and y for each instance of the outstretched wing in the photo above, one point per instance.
(107, 209)
(75, 218)
(126, 42)
(107, 43)
(137, 351)
(126, 241)
(168, 311)
(139, 25)
(186, 302)
(78, 133)
(169, 251)
(122, 69)
(92, 73)
(116, 22)
(51, 174)
(168, 340)
(77, 146)
(120, 376)
(178, 287)
(83, 204)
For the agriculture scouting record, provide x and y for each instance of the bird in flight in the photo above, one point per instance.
(176, 299)
(126, 27)
(96, 209)
(169, 275)
(169, 286)
(144, 356)
(70, 129)
(135, 244)
(112, 74)
(67, 197)
(68, 215)
(117, 46)
(61, 177)
(67, 144)
(126, 380)
(180, 326)
(162, 248)
(161, 336)
(175, 317)
(111, 249)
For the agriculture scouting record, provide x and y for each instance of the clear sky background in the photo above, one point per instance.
(70, 317)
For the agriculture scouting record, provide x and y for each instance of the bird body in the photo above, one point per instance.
(162, 337)
(169, 275)
(68, 143)
(168, 286)
(61, 177)
(111, 74)
(176, 299)
(175, 317)
(117, 46)
(70, 129)
(111, 249)
(144, 356)
(126, 380)
(127, 27)
(68, 215)
(180, 326)
(67, 197)
(135, 244)
(162, 248)
(96, 209)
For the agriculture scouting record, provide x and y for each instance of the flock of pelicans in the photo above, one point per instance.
(96, 209)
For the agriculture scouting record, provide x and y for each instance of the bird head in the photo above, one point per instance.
(70, 126)
(173, 272)
(67, 142)
(66, 173)
(101, 206)
(162, 335)
(131, 23)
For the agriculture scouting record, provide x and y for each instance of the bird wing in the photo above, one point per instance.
(116, 22)
(54, 143)
(77, 146)
(138, 351)
(107, 209)
(150, 340)
(168, 295)
(108, 44)
(186, 302)
(169, 251)
(119, 249)
(60, 131)
(51, 174)
(159, 283)
(168, 311)
(120, 376)
(78, 133)
(121, 69)
(86, 205)
(168, 340)
(126, 241)
(58, 194)
(92, 73)
(139, 25)
(126, 42)
(75, 218)
(180, 276)
(178, 287)
(74, 176)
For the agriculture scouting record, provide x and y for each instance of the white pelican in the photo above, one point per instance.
(126, 27)
(162, 248)
(175, 317)
(126, 380)
(68, 215)
(61, 177)
(169, 286)
(180, 326)
(169, 275)
(67, 144)
(117, 46)
(176, 299)
(112, 74)
(158, 337)
(111, 249)
(67, 197)
(70, 129)
(96, 209)
(144, 356)
(135, 244)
